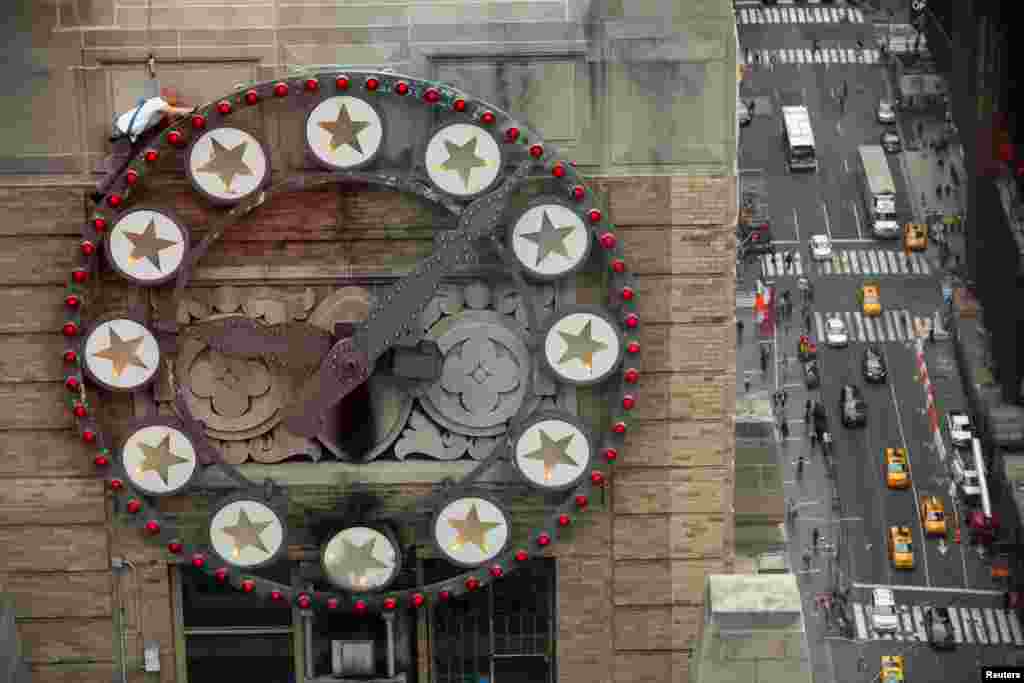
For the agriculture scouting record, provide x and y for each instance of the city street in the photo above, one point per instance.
(853, 552)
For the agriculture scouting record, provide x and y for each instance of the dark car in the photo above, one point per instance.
(891, 142)
(940, 628)
(812, 374)
(874, 364)
(852, 408)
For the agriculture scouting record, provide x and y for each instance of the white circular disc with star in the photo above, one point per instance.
(550, 241)
(246, 533)
(463, 160)
(552, 454)
(470, 531)
(344, 132)
(227, 165)
(360, 559)
(147, 247)
(121, 355)
(582, 347)
(159, 460)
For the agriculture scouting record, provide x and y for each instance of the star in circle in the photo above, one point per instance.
(160, 459)
(552, 452)
(472, 529)
(226, 163)
(355, 562)
(549, 239)
(122, 353)
(463, 159)
(146, 245)
(581, 346)
(344, 131)
(246, 533)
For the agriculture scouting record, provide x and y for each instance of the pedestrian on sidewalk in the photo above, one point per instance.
(807, 412)
(746, 383)
(813, 436)
(807, 559)
(739, 331)
(750, 108)
(784, 428)
(789, 261)
(783, 397)
(807, 322)
(949, 191)
(815, 537)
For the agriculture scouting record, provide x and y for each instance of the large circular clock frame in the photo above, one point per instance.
(520, 149)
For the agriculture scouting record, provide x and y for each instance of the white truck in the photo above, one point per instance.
(798, 139)
(879, 192)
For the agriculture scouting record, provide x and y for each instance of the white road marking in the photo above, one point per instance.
(860, 326)
(828, 226)
(1004, 626)
(849, 322)
(965, 618)
(865, 263)
(883, 266)
(958, 634)
(873, 257)
(798, 268)
(1018, 633)
(869, 329)
(744, 19)
(833, 55)
(851, 256)
(861, 621)
(893, 261)
(902, 262)
(910, 325)
(799, 56)
(889, 329)
(906, 622)
(851, 54)
(914, 265)
(820, 325)
(826, 267)
(842, 56)
(919, 622)
(925, 268)
(979, 625)
(896, 324)
(990, 622)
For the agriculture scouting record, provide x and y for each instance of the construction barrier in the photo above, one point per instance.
(929, 397)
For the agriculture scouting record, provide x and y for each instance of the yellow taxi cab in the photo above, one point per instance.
(892, 669)
(901, 547)
(871, 299)
(915, 236)
(897, 474)
(933, 515)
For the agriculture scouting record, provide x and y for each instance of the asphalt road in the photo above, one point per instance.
(828, 202)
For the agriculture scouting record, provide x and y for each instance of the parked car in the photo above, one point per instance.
(885, 113)
(742, 113)
(812, 374)
(958, 425)
(852, 408)
(940, 628)
(891, 142)
(821, 247)
(874, 364)
(835, 332)
(883, 611)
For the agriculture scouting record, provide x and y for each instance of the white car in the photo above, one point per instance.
(835, 332)
(885, 113)
(821, 247)
(883, 611)
(958, 424)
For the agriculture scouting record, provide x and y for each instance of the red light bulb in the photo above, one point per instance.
(431, 95)
(372, 84)
(558, 170)
(632, 320)
(198, 560)
(174, 547)
(543, 539)
(276, 596)
(199, 121)
(79, 410)
(312, 85)
(134, 505)
(564, 520)
(444, 595)
(389, 603)
(536, 151)
(512, 134)
(114, 200)
(578, 193)
(332, 603)
(72, 383)
(174, 137)
(100, 460)
(304, 602)
(224, 107)
(633, 347)
(131, 177)
(472, 583)
(496, 571)
(116, 484)
(72, 301)
(153, 527)
(70, 356)
(619, 428)
(628, 402)
(581, 502)
(627, 293)
(618, 265)
(100, 224)
(70, 329)
(281, 89)
(595, 215)
(152, 154)
(596, 478)
(417, 599)
(631, 376)
(89, 436)
(342, 83)
(221, 575)
(402, 88)
(610, 454)
(251, 97)
(360, 606)
(459, 105)
(248, 585)
(88, 248)
(487, 117)
(521, 556)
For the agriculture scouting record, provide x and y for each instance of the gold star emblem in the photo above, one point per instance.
(226, 163)
(147, 245)
(122, 352)
(356, 562)
(582, 346)
(246, 533)
(462, 159)
(552, 453)
(549, 239)
(344, 131)
(471, 530)
(160, 459)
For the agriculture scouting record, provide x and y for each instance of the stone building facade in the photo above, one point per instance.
(639, 94)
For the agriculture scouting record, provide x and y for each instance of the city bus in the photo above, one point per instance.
(879, 192)
(799, 139)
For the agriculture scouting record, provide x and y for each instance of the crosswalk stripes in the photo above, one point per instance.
(984, 626)
(774, 265)
(785, 56)
(889, 326)
(864, 262)
(799, 15)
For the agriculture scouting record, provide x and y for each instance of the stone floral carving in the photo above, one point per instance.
(228, 382)
(480, 372)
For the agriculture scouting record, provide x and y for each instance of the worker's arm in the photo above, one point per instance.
(177, 111)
